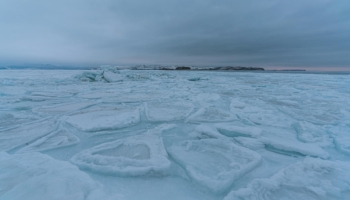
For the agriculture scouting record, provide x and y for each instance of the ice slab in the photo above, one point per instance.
(308, 179)
(310, 133)
(214, 164)
(231, 130)
(25, 134)
(99, 120)
(211, 114)
(259, 115)
(250, 143)
(172, 111)
(34, 176)
(57, 139)
(205, 131)
(141, 155)
(294, 148)
(111, 76)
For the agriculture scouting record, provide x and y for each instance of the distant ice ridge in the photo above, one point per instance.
(110, 75)
(141, 155)
(34, 176)
(308, 179)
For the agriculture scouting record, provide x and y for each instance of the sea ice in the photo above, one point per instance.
(240, 135)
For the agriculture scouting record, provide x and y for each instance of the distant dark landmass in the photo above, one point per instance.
(289, 70)
(137, 67)
(222, 68)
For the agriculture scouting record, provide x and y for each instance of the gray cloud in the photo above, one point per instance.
(270, 33)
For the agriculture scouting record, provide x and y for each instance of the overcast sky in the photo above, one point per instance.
(258, 33)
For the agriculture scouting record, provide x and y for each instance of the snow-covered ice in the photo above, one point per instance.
(124, 134)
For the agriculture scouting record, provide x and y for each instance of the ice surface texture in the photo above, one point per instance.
(133, 134)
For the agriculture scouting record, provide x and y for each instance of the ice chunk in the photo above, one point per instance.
(205, 131)
(90, 76)
(294, 148)
(57, 139)
(214, 164)
(25, 134)
(211, 114)
(111, 76)
(311, 133)
(99, 120)
(171, 111)
(34, 176)
(341, 136)
(308, 179)
(141, 155)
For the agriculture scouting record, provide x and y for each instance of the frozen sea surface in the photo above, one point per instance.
(109, 134)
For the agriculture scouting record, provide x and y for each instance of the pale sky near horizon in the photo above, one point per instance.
(312, 34)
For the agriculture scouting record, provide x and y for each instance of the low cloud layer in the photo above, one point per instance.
(270, 33)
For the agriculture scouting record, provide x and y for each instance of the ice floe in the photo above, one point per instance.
(140, 155)
(200, 159)
(104, 119)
